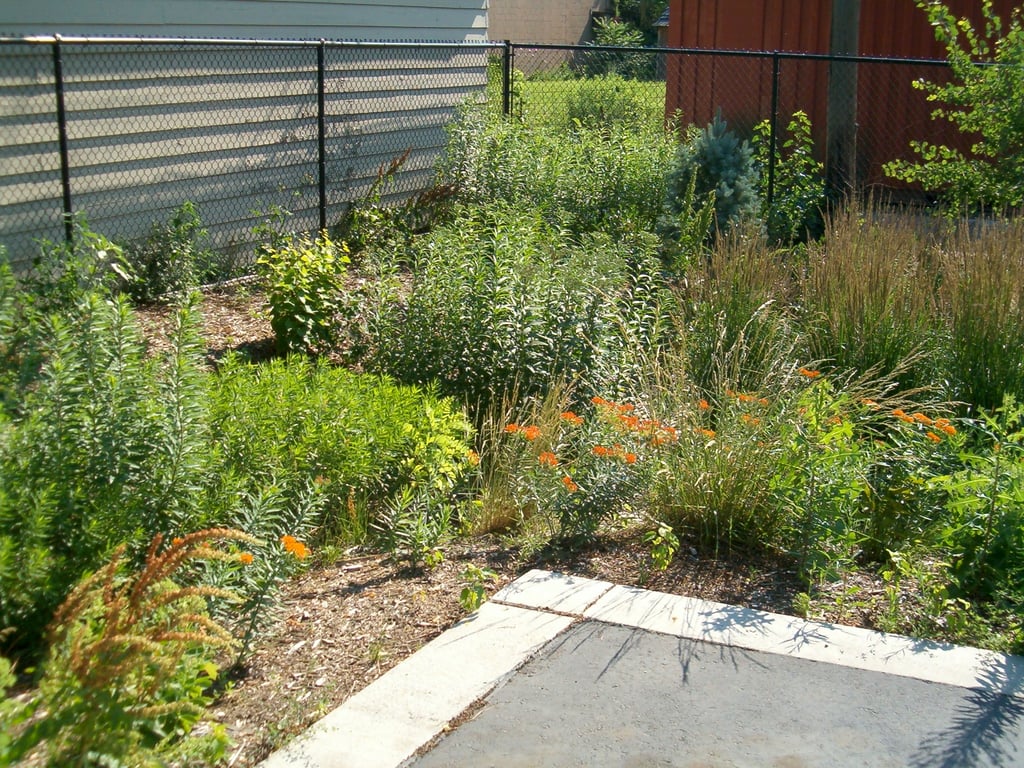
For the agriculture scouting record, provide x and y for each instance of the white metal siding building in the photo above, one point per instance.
(230, 127)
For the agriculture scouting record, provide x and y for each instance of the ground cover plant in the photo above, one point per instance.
(573, 353)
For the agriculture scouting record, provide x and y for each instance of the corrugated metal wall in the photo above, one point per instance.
(230, 127)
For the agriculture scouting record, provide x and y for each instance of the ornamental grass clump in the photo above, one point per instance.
(130, 663)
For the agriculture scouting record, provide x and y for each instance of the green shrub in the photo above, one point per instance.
(606, 179)
(608, 100)
(983, 532)
(360, 439)
(63, 274)
(615, 33)
(174, 258)
(724, 166)
(304, 282)
(109, 447)
(795, 212)
(503, 303)
(983, 101)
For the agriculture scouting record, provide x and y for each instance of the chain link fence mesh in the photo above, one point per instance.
(245, 128)
(233, 127)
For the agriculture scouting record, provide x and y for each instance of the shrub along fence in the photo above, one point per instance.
(125, 130)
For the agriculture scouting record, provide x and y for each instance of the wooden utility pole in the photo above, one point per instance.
(841, 149)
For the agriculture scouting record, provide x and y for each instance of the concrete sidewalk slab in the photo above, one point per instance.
(581, 672)
(388, 721)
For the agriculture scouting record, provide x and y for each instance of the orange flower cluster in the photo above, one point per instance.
(530, 432)
(942, 425)
(743, 397)
(473, 458)
(572, 418)
(570, 486)
(808, 373)
(245, 558)
(657, 432)
(296, 547)
(615, 452)
(749, 420)
(548, 459)
(708, 433)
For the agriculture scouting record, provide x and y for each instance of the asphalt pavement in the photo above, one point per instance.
(559, 671)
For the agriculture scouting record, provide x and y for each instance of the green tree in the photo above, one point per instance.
(984, 100)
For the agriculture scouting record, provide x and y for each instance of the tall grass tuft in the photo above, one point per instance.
(734, 309)
(870, 299)
(983, 299)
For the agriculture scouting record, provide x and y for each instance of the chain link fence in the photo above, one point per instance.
(864, 111)
(125, 131)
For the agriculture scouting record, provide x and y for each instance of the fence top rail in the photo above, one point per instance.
(244, 42)
(740, 53)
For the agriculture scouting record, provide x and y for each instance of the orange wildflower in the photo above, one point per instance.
(900, 414)
(572, 418)
(944, 426)
(600, 450)
(245, 558)
(745, 398)
(922, 418)
(531, 432)
(629, 458)
(296, 547)
(708, 433)
(746, 418)
(763, 401)
(810, 374)
(600, 401)
(548, 459)
(512, 428)
(570, 486)
(626, 408)
(473, 458)
(177, 541)
(630, 422)
(933, 437)
(703, 404)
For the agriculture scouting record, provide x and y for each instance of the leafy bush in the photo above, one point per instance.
(108, 447)
(607, 179)
(360, 439)
(724, 166)
(503, 303)
(607, 100)
(64, 273)
(983, 531)
(174, 258)
(983, 102)
(304, 284)
(615, 33)
(795, 212)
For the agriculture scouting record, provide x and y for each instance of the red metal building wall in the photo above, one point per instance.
(890, 111)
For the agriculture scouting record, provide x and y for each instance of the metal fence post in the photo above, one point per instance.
(321, 139)
(62, 139)
(506, 80)
(773, 130)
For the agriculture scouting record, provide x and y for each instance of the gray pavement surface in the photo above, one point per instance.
(561, 671)
(603, 695)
